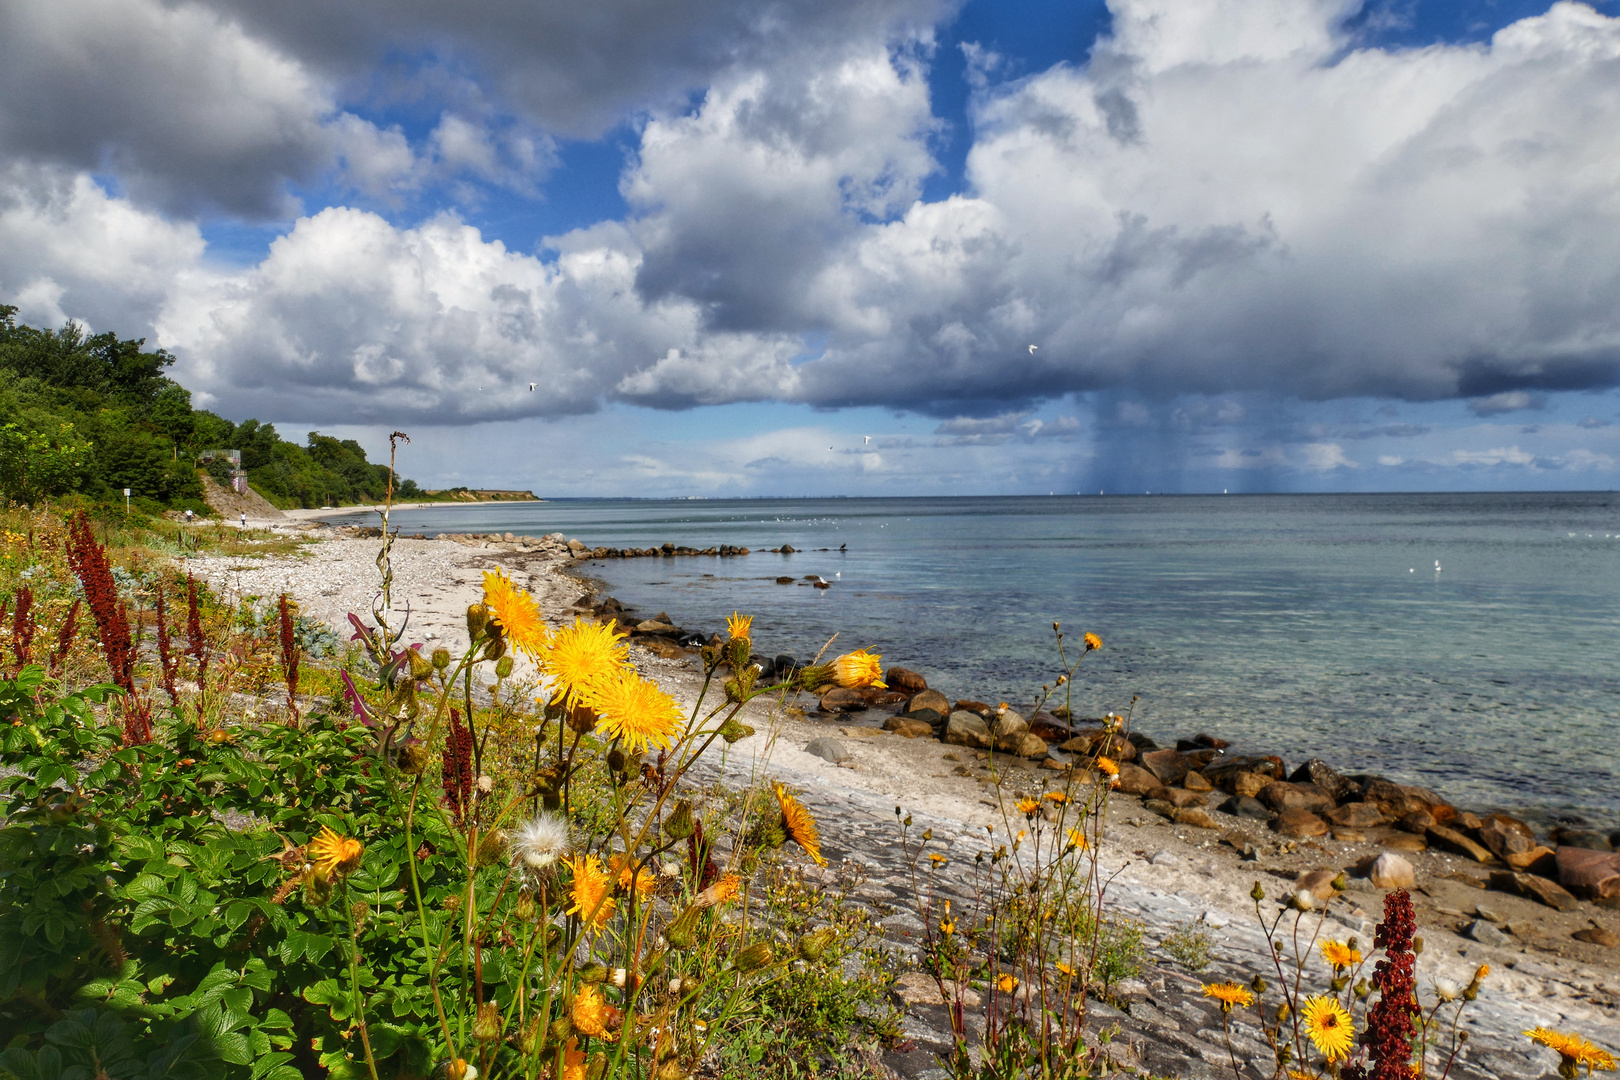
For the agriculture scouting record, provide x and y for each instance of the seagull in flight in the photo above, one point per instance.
(1032, 349)
(532, 386)
(868, 440)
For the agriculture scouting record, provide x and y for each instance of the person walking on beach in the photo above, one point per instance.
(244, 519)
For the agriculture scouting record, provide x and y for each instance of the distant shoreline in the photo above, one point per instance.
(319, 513)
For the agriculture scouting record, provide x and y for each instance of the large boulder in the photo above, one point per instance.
(1316, 771)
(908, 727)
(1390, 871)
(1244, 807)
(900, 678)
(963, 728)
(1007, 724)
(1168, 765)
(1592, 874)
(1135, 780)
(1299, 822)
(1217, 772)
(1025, 745)
(1452, 840)
(841, 699)
(929, 699)
(1505, 835)
(1099, 741)
(1356, 815)
(1532, 887)
(1281, 795)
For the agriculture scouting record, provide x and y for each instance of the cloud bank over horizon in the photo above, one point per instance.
(1229, 232)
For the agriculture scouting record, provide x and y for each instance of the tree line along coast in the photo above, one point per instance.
(91, 415)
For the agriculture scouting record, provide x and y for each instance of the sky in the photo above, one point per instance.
(848, 247)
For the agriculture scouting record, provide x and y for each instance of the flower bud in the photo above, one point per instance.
(1258, 985)
(592, 973)
(491, 846)
(672, 1069)
(812, 945)
(1257, 892)
(582, 720)
(524, 908)
(496, 648)
(754, 956)
(411, 759)
(1417, 945)
(503, 668)
(529, 1037)
(1284, 1011)
(733, 731)
(680, 934)
(477, 620)
(487, 1023)
(421, 666)
(441, 658)
(561, 1029)
(1363, 989)
(679, 825)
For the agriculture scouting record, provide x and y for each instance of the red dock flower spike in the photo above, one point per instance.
(457, 771)
(1389, 1021)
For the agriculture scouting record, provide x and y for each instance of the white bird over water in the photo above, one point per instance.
(868, 440)
(1032, 349)
(532, 386)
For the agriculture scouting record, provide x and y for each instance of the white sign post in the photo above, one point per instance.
(126, 500)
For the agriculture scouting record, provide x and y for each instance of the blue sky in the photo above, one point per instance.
(1257, 245)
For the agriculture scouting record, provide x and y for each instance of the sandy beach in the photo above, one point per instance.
(1168, 875)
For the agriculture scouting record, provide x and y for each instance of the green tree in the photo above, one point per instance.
(33, 463)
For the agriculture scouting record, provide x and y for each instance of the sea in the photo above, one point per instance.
(1469, 643)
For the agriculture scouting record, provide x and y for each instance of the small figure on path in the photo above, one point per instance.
(244, 519)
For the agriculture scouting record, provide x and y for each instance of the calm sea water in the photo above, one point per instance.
(1465, 642)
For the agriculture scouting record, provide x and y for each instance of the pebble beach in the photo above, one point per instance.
(1191, 830)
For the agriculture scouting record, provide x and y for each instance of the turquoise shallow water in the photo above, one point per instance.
(1293, 624)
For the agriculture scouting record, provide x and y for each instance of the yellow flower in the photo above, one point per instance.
(947, 927)
(573, 1061)
(1065, 970)
(1092, 641)
(718, 893)
(1230, 995)
(1338, 955)
(1480, 973)
(857, 669)
(1107, 766)
(739, 626)
(332, 854)
(1006, 984)
(634, 710)
(1029, 807)
(936, 858)
(1056, 796)
(579, 656)
(589, 893)
(517, 612)
(643, 880)
(592, 1014)
(799, 825)
(1575, 1050)
(1077, 840)
(1328, 1025)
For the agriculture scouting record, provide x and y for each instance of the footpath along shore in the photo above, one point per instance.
(1179, 857)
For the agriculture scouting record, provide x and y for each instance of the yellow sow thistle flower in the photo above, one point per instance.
(1329, 1026)
(738, 626)
(857, 669)
(936, 858)
(588, 895)
(592, 1014)
(581, 655)
(634, 710)
(517, 612)
(1230, 995)
(1029, 807)
(1092, 641)
(1078, 841)
(1006, 984)
(799, 825)
(1339, 956)
(718, 893)
(573, 1061)
(1056, 796)
(1575, 1051)
(642, 880)
(333, 855)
